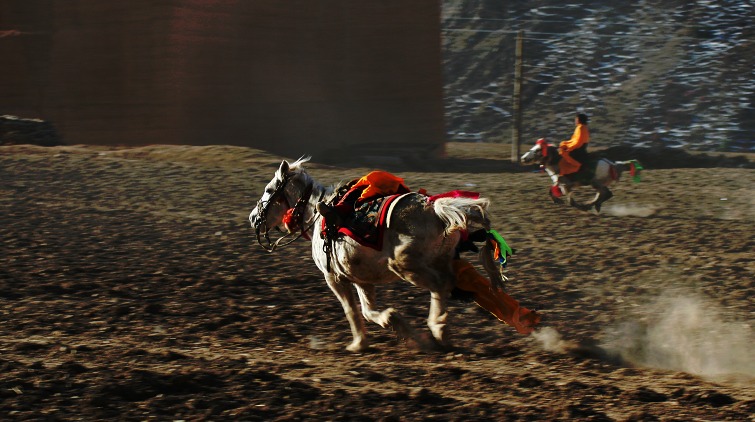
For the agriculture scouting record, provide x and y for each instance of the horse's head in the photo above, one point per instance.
(283, 194)
(538, 153)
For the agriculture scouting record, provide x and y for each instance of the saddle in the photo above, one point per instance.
(585, 174)
(361, 208)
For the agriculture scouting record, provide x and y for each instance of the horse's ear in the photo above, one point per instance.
(283, 170)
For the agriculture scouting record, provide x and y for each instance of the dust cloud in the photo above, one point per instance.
(629, 210)
(685, 333)
(550, 340)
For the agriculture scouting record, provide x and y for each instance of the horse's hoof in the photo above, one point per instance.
(581, 207)
(599, 205)
(358, 347)
(427, 343)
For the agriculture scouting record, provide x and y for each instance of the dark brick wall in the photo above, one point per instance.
(291, 77)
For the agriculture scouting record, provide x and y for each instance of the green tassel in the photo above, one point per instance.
(636, 168)
(506, 250)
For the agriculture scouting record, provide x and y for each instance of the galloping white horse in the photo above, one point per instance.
(418, 247)
(599, 174)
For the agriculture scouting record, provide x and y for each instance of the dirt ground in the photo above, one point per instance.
(131, 288)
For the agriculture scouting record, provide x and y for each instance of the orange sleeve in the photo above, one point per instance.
(380, 183)
(579, 138)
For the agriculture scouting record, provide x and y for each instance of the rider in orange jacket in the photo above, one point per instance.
(574, 151)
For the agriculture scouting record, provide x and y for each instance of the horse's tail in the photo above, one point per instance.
(634, 166)
(458, 212)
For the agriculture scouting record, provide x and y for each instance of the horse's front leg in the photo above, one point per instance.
(388, 318)
(555, 193)
(345, 294)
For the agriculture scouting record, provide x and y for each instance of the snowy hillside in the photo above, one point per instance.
(674, 72)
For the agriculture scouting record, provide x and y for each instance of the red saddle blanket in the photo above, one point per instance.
(365, 205)
(367, 222)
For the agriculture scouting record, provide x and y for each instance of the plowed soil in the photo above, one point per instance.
(131, 288)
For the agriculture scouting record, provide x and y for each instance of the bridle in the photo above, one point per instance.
(543, 147)
(295, 215)
(546, 158)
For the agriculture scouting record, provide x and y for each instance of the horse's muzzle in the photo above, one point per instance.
(256, 220)
(527, 158)
(258, 224)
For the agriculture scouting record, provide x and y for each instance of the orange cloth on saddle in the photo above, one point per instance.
(497, 302)
(569, 165)
(380, 183)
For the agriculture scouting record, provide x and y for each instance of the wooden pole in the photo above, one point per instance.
(516, 132)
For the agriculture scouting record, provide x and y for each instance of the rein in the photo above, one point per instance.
(294, 215)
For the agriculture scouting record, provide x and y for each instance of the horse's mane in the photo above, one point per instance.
(297, 168)
(554, 156)
(297, 165)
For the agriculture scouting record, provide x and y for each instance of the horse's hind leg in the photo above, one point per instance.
(578, 205)
(604, 194)
(440, 286)
(438, 317)
(388, 318)
(345, 295)
(589, 205)
(583, 206)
